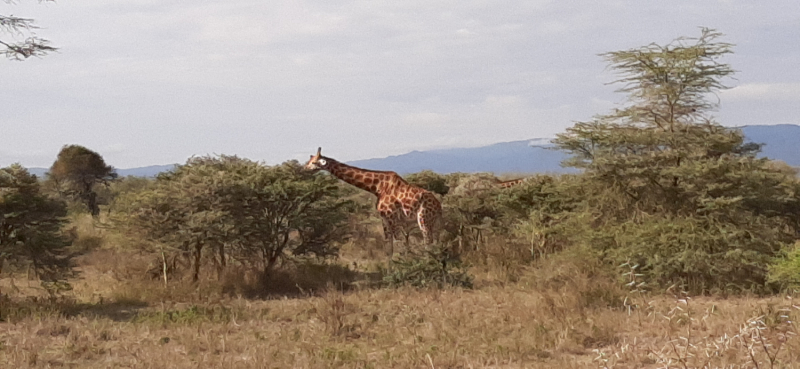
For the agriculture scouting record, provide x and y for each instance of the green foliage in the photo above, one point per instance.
(434, 267)
(224, 208)
(545, 211)
(76, 172)
(477, 207)
(470, 210)
(695, 252)
(121, 186)
(30, 226)
(430, 181)
(786, 271)
(668, 188)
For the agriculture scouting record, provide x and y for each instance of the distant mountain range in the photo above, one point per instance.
(527, 156)
(539, 155)
(149, 171)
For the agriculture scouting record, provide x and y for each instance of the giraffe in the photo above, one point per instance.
(398, 200)
(511, 183)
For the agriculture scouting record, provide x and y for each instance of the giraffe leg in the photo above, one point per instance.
(392, 229)
(388, 235)
(426, 220)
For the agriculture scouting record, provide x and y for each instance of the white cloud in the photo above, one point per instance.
(763, 91)
(426, 120)
(267, 80)
(600, 106)
(503, 102)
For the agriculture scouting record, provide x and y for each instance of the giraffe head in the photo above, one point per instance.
(317, 162)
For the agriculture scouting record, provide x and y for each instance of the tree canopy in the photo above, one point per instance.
(30, 226)
(77, 170)
(675, 191)
(226, 207)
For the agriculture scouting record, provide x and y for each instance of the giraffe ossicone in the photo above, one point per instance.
(398, 200)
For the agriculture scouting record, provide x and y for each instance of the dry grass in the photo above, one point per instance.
(370, 328)
(508, 326)
(563, 313)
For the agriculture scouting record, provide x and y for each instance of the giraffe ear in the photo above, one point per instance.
(322, 162)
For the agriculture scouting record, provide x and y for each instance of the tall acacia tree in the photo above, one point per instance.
(76, 172)
(682, 196)
(666, 123)
(30, 226)
(30, 45)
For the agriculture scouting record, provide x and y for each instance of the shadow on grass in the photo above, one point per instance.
(60, 306)
(299, 280)
(431, 268)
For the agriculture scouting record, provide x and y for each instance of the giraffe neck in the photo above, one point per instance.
(364, 179)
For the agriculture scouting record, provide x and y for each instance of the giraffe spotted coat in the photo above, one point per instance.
(398, 200)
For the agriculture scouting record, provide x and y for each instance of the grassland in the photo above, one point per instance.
(556, 313)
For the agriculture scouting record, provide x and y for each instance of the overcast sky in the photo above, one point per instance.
(147, 82)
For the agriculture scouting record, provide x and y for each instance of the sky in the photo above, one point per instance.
(147, 82)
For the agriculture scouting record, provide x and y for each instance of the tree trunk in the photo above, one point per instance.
(197, 254)
(221, 266)
(92, 204)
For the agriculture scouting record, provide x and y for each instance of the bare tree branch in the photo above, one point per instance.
(32, 45)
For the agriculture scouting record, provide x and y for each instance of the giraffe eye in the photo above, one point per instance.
(322, 162)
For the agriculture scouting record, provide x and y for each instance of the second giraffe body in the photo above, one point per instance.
(511, 183)
(397, 199)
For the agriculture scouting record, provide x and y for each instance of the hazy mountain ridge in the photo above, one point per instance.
(780, 141)
(148, 171)
(526, 156)
(539, 155)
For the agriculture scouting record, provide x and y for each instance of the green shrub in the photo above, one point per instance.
(785, 272)
(430, 181)
(31, 234)
(431, 268)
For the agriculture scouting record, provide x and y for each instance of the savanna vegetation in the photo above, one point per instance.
(674, 247)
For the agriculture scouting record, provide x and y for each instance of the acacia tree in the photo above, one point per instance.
(666, 123)
(76, 172)
(30, 226)
(430, 181)
(288, 209)
(222, 208)
(31, 45)
(695, 206)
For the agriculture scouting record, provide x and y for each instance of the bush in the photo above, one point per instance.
(700, 254)
(432, 268)
(785, 272)
(31, 226)
(430, 181)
